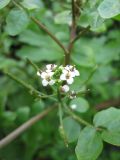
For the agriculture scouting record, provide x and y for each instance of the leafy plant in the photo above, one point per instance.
(65, 56)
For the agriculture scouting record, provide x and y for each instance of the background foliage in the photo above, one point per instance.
(97, 50)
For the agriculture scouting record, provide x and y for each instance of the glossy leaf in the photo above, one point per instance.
(109, 118)
(89, 144)
(111, 137)
(71, 126)
(109, 8)
(4, 3)
(17, 21)
(32, 4)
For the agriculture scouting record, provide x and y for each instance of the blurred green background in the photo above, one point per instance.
(100, 46)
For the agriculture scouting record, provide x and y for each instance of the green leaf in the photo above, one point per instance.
(4, 3)
(109, 118)
(111, 137)
(69, 126)
(23, 114)
(8, 118)
(17, 21)
(79, 105)
(89, 144)
(109, 8)
(32, 4)
(90, 16)
(6, 63)
(39, 54)
(63, 18)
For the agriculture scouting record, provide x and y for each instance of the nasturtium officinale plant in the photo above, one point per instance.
(62, 70)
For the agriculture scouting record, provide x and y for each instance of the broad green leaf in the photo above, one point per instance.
(6, 63)
(39, 54)
(63, 18)
(71, 126)
(90, 16)
(22, 114)
(79, 104)
(109, 8)
(4, 3)
(8, 118)
(89, 144)
(17, 21)
(111, 137)
(32, 4)
(109, 118)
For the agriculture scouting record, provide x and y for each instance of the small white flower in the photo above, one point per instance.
(50, 67)
(65, 88)
(47, 78)
(73, 70)
(67, 76)
(73, 106)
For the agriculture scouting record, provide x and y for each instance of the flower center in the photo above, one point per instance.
(47, 78)
(68, 75)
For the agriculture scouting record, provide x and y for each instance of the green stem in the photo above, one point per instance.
(33, 64)
(32, 90)
(77, 118)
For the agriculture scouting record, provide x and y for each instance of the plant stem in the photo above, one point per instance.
(49, 33)
(77, 118)
(33, 64)
(13, 135)
(80, 34)
(43, 27)
(72, 34)
(32, 90)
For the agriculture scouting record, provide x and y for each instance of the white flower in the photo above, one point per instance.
(67, 76)
(73, 70)
(65, 88)
(73, 106)
(47, 78)
(50, 67)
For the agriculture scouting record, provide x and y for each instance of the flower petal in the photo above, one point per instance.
(77, 73)
(43, 75)
(63, 77)
(50, 74)
(45, 82)
(51, 82)
(70, 80)
(65, 71)
(48, 66)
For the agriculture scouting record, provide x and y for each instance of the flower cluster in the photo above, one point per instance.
(62, 75)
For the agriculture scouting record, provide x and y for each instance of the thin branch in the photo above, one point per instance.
(31, 90)
(33, 64)
(77, 118)
(108, 103)
(13, 135)
(72, 33)
(80, 34)
(44, 28)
